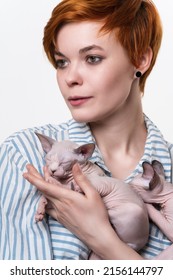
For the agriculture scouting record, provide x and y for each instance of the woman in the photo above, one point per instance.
(103, 52)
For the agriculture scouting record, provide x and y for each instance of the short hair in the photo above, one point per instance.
(136, 23)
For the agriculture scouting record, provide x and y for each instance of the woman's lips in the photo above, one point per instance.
(78, 100)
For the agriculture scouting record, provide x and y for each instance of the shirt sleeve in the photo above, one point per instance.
(20, 236)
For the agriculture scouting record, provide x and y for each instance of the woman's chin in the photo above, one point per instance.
(81, 118)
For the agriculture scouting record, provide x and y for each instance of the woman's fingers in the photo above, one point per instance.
(32, 170)
(48, 189)
(52, 212)
(47, 174)
(52, 190)
(80, 213)
(58, 192)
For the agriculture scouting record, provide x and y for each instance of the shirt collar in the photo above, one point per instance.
(155, 147)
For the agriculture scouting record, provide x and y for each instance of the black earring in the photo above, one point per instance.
(138, 74)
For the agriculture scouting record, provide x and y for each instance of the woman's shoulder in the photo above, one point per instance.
(51, 130)
(24, 144)
(59, 132)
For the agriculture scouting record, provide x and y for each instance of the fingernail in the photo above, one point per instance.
(24, 175)
(28, 166)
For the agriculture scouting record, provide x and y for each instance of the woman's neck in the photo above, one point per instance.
(121, 140)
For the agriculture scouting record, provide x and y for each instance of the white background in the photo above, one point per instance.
(29, 94)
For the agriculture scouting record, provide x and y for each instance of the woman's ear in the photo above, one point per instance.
(145, 61)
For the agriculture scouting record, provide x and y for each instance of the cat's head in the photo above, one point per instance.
(61, 156)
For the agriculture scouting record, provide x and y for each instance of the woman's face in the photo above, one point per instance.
(94, 73)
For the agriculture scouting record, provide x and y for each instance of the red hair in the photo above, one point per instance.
(136, 23)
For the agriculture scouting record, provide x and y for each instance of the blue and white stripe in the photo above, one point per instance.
(20, 236)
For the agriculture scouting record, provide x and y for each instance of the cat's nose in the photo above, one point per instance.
(53, 167)
(56, 170)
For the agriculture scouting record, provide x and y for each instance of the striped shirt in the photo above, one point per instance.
(20, 236)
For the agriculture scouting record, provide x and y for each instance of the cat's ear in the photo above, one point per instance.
(158, 167)
(46, 141)
(150, 174)
(85, 150)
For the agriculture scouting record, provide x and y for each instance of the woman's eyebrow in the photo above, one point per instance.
(58, 53)
(81, 51)
(89, 48)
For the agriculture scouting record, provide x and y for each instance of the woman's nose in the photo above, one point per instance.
(74, 76)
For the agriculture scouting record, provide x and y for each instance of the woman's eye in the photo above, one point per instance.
(61, 63)
(92, 59)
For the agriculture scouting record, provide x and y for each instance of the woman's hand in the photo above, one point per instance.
(83, 214)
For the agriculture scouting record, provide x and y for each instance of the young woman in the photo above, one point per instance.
(103, 52)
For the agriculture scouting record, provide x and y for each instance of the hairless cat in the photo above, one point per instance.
(125, 202)
(157, 193)
(127, 211)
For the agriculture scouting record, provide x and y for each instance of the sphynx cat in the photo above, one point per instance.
(127, 212)
(157, 193)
